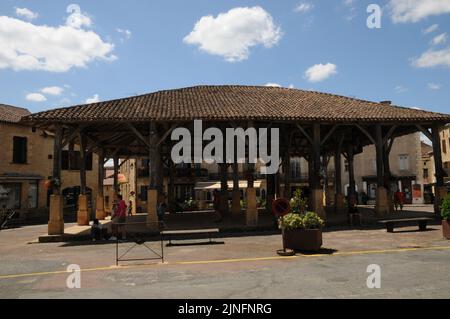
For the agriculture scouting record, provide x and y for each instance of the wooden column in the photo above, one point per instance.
(100, 213)
(382, 202)
(152, 193)
(224, 209)
(351, 175)
(440, 189)
(171, 190)
(338, 196)
(287, 175)
(56, 217)
(317, 191)
(83, 209)
(236, 200)
(116, 174)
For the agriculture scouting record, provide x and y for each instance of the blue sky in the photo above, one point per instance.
(112, 49)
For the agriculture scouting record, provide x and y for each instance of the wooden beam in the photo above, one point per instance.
(329, 134)
(305, 133)
(425, 131)
(379, 155)
(163, 138)
(366, 132)
(389, 134)
(73, 134)
(82, 138)
(139, 135)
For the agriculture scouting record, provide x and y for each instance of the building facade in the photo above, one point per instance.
(26, 164)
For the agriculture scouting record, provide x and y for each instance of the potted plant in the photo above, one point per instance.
(445, 213)
(302, 232)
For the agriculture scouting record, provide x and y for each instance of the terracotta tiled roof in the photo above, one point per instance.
(234, 103)
(12, 114)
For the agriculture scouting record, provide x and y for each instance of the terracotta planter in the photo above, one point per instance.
(446, 229)
(303, 239)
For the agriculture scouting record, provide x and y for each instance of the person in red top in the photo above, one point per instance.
(120, 217)
(399, 200)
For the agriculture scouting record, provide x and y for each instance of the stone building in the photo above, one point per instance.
(26, 163)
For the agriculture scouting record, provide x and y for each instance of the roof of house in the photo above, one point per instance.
(223, 103)
(12, 114)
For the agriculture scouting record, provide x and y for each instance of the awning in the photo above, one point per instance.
(206, 186)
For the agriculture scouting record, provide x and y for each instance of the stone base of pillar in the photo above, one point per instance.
(152, 205)
(317, 203)
(100, 213)
(83, 213)
(382, 202)
(236, 203)
(56, 219)
(251, 216)
(339, 203)
(441, 193)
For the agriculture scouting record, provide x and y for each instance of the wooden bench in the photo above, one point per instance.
(190, 234)
(393, 223)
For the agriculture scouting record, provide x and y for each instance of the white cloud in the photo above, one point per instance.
(434, 86)
(232, 34)
(35, 97)
(433, 58)
(52, 90)
(273, 85)
(439, 39)
(320, 72)
(26, 13)
(28, 47)
(304, 7)
(431, 29)
(401, 89)
(94, 99)
(403, 11)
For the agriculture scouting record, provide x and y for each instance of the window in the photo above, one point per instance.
(403, 162)
(444, 147)
(19, 150)
(71, 161)
(33, 195)
(425, 173)
(295, 168)
(347, 166)
(10, 196)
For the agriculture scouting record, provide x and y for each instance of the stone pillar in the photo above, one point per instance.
(100, 213)
(56, 220)
(317, 201)
(152, 205)
(83, 212)
(251, 216)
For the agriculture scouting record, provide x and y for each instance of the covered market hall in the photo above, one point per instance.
(311, 125)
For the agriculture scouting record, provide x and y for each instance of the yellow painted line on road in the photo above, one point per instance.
(224, 261)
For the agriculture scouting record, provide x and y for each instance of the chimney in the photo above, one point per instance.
(386, 102)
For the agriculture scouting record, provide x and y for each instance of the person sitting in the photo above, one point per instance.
(96, 230)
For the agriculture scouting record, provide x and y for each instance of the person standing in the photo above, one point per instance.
(130, 209)
(120, 218)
